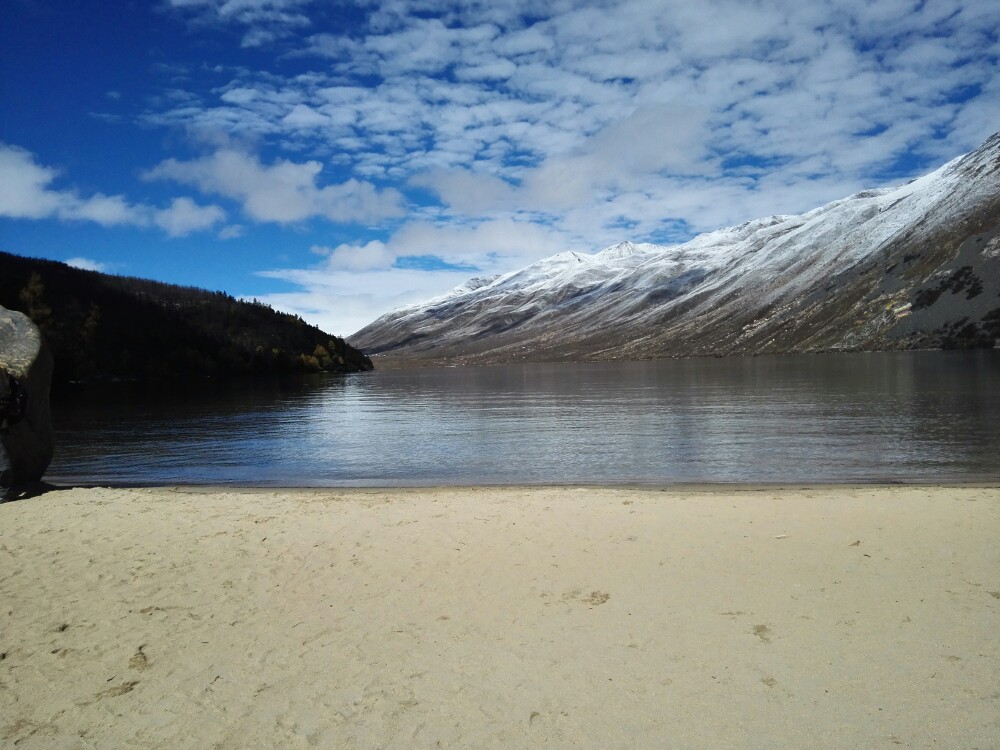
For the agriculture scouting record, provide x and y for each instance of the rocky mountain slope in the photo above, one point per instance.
(915, 266)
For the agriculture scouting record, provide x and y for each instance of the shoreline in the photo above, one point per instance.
(39, 488)
(822, 616)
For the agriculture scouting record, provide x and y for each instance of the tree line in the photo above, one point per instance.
(105, 327)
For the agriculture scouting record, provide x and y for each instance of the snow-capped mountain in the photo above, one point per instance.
(915, 266)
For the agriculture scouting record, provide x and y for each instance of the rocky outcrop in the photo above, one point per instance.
(24, 355)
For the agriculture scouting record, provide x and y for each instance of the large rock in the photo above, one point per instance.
(24, 355)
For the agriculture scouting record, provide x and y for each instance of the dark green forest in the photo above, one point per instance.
(104, 327)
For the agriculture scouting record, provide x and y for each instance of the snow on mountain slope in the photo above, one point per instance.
(858, 273)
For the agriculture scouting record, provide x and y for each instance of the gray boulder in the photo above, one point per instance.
(23, 354)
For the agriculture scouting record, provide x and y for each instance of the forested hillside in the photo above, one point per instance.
(103, 327)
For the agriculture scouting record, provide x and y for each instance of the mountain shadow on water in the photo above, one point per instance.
(105, 327)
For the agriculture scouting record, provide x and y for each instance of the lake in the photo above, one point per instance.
(906, 416)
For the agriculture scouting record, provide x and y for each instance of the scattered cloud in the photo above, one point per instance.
(283, 192)
(581, 101)
(618, 159)
(262, 21)
(493, 245)
(26, 192)
(488, 135)
(368, 257)
(185, 216)
(232, 232)
(357, 282)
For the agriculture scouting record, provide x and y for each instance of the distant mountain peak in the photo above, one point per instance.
(901, 267)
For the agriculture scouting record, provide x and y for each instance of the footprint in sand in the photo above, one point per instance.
(114, 692)
(576, 595)
(763, 632)
(596, 598)
(139, 660)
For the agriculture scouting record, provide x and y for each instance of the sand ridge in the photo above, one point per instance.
(822, 617)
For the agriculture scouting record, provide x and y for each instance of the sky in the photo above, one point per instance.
(340, 159)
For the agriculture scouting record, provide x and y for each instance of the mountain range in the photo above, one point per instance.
(910, 267)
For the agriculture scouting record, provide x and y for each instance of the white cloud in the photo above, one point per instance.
(185, 216)
(581, 67)
(494, 245)
(498, 68)
(468, 192)
(303, 116)
(368, 257)
(106, 210)
(342, 303)
(284, 192)
(357, 283)
(240, 95)
(617, 160)
(232, 232)
(88, 264)
(264, 21)
(780, 79)
(26, 193)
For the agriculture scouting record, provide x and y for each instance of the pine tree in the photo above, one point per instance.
(33, 299)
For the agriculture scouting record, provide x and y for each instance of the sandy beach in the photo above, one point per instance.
(819, 617)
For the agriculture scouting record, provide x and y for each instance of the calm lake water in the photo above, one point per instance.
(922, 416)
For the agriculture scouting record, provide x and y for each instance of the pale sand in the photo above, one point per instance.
(518, 618)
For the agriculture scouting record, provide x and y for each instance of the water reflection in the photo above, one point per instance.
(906, 416)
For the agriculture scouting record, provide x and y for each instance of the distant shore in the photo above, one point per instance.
(692, 616)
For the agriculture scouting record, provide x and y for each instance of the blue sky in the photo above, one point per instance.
(338, 159)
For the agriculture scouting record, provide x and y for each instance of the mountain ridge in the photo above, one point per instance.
(911, 266)
(106, 327)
